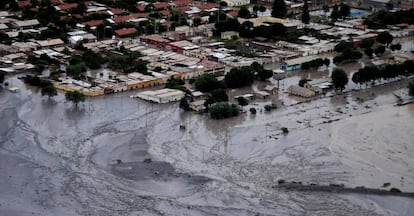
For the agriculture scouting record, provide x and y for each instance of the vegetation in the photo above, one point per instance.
(381, 19)
(223, 110)
(207, 83)
(253, 111)
(270, 107)
(385, 38)
(316, 63)
(174, 83)
(242, 101)
(129, 63)
(284, 131)
(302, 82)
(368, 75)
(369, 52)
(219, 95)
(379, 50)
(395, 190)
(49, 91)
(184, 104)
(305, 13)
(244, 12)
(394, 47)
(339, 79)
(347, 51)
(75, 97)
(1, 77)
(366, 43)
(279, 9)
(239, 77)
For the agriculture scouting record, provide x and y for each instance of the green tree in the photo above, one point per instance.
(184, 104)
(344, 10)
(223, 110)
(411, 88)
(385, 38)
(379, 50)
(366, 43)
(242, 101)
(253, 111)
(219, 95)
(49, 91)
(262, 9)
(369, 52)
(305, 12)
(302, 82)
(395, 47)
(207, 83)
(335, 13)
(75, 97)
(339, 79)
(239, 77)
(244, 12)
(1, 77)
(279, 9)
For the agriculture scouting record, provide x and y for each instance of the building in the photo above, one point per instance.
(296, 64)
(50, 43)
(233, 3)
(300, 91)
(161, 96)
(403, 4)
(181, 46)
(228, 35)
(26, 24)
(125, 32)
(198, 105)
(372, 5)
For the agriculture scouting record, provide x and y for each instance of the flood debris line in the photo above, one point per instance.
(340, 188)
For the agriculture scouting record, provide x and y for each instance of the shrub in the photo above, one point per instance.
(253, 111)
(285, 130)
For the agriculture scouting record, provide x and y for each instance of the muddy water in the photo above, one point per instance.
(59, 160)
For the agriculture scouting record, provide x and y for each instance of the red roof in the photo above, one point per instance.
(182, 2)
(68, 6)
(161, 5)
(182, 10)
(233, 13)
(141, 8)
(93, 23)
(22, 4)
(207, 6)
(55, 2)
(165, 13)
(125, 31)
(117, 11)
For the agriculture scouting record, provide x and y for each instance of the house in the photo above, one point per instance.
(300, 91)
(26, 24)
(233, 3)
(161, 96)
(198, 105)
(373, 5)
(270, 89)
(125, 32)
(155, 39)
(50, 43)
(181, 46)
(228, 35)
(296, 64)
(65, 7)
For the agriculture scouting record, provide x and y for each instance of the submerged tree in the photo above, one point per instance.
(339, 79)
(305, 13)
(411, 88)
(49, 91)
(279, 9)
(75, 97)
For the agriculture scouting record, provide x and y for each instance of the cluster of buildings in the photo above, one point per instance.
(184, 52)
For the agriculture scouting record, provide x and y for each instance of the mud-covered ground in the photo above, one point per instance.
(59, 160)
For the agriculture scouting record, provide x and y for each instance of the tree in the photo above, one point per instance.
(219, 95)
(302, 82)
(239, 77)
(75, 97)
(326, 62)
(223, 110)
(385, 38)
(242, 101)
(411, 88)
(379, 50)
(255, 9)
(184, 104)
(369, 52)
(395, 47)
(262, 9)
(339, 79)
(335, 12)
(305, 12)
(244, 12)
(253, 110)
(279, 9)
(344, 10)
(366, 43)
(325, 9)
(1, 77)
(49, 90)
(207, 83)
(223, 4)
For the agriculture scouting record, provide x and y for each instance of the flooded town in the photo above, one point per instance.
(187, 107)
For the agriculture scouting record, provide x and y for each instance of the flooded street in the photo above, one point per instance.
(114, 155)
